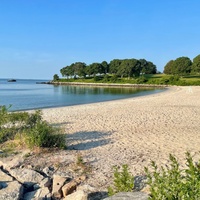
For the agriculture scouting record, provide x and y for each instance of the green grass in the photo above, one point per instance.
(150, 79)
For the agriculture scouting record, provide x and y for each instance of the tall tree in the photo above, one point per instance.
(181, 66)
(196, 64)
(114, 66)
(105, 66)
(168, 67)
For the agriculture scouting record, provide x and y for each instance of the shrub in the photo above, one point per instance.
(44, 135)
(123, 181)
(114, 79)
(173, 183)
(37, 133)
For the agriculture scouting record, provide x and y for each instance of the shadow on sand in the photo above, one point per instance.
(87, 140)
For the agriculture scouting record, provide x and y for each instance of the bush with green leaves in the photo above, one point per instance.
(173, 183)
(37, 133)
(123, 181)
(44, 135)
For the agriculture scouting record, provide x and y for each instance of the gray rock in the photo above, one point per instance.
(139, 182)
(27, 176)
(13, 191)
(5, 177)
(78, 195)
(43, 193)
(128, 196)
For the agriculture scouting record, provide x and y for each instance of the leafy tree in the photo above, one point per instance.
(55, 77)
(79, 69)
(128, 68)
(196, 64)
(114, 66)
(147, 67)
(168, 67)
(181, 66)
(67, 71)
(105, 66)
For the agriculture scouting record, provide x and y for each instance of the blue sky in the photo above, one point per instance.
(39, 37)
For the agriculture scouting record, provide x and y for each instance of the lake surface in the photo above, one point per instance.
(26, 94)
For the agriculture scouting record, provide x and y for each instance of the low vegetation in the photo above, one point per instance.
(123, 181)
(150, 79)
(29, 129)
(169, 183)
(174, 183)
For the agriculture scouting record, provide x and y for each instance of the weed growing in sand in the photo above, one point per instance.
(123, 181)
(85, 166)
(173, 183)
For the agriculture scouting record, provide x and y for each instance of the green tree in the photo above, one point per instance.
(128, 68)
(168, 67)
(79, 69)
(114, 66)
(105, 66)
(147, 67)
(181, 66)
(196, 64)
(55, 77)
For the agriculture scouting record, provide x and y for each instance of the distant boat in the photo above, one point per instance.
(12, 80)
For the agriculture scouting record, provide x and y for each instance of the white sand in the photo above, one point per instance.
(132, 131)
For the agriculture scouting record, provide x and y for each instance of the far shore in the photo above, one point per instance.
(132, 131)
(106, 84)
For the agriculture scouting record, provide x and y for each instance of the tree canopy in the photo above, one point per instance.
(180, 66)
(196, 64)
(120, 67)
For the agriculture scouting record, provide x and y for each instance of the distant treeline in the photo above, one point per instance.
(183, 66)
(120, 67)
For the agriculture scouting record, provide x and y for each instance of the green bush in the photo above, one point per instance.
(173, 183)
(123, 181)
(114, 79)
(37, 133)
(44, 135)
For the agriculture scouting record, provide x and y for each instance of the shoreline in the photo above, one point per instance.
(108, 84)
(132, 131)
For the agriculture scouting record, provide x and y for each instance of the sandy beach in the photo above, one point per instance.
(132, 131)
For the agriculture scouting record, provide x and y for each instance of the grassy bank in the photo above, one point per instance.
(155, 79)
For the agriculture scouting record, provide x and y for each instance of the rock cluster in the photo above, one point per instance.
(23, 183)
(20, 180)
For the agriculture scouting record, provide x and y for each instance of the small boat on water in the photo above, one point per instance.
(12, 80)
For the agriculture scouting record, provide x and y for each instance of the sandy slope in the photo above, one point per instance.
(132, 131)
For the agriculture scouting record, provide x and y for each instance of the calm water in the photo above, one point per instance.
(26, 94)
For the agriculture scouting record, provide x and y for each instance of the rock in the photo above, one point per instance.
(129, 196)
(43, 193)
(72, 185)
(27, 176)
(86, 188)
(139, 182)
(11, 164)
(69, 188)
(5, 177)
(13, 191)
(78, 195)
(46, 182)
(49, 171)
(58, 182)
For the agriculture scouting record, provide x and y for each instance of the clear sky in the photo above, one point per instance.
(39, 37)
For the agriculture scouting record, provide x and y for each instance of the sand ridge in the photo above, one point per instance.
(132, 131)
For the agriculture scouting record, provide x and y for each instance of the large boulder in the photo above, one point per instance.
(27, 177)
